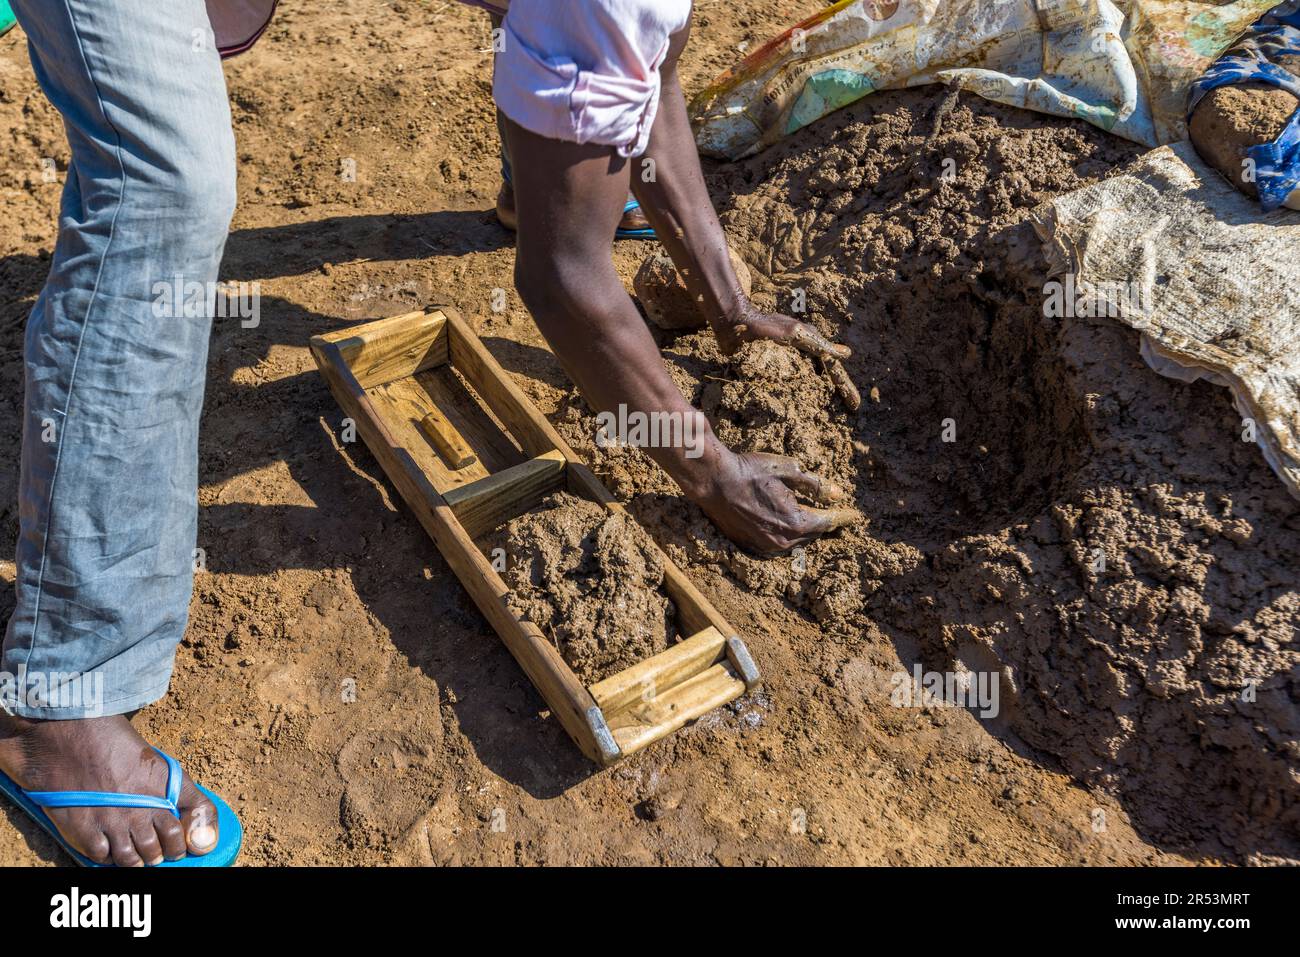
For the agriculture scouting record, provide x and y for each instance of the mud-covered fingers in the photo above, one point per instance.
(819, 521)
(807, 339)
(843, 384)
(789, 471)
(809, 524)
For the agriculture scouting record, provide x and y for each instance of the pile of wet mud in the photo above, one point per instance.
(590, 579)
(1039, 503)
(1231, 120)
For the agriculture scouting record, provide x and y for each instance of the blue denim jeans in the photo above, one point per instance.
(114, 375)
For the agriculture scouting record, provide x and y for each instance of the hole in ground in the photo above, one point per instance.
(977, 426)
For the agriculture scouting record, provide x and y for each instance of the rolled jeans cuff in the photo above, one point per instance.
(84, 698)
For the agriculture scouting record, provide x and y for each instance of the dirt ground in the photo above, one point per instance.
(338, 686)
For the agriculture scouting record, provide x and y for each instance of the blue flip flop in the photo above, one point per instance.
(230, 831)
(647, 232)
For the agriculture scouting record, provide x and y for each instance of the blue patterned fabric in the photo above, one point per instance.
(1254, 59)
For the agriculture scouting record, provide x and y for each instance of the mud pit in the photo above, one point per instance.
(1041, 505)
(592, 582)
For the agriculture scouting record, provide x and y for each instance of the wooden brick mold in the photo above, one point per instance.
(467, 460)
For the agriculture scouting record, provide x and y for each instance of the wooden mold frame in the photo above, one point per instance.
(402, 381)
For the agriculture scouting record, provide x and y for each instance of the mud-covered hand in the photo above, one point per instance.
(753, 324)
(753, 504)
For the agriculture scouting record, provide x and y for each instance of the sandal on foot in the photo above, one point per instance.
(230, 832)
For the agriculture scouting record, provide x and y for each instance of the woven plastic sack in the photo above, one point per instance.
(1122, 65)
(1211, 283)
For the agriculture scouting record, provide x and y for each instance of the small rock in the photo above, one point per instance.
(664, 296)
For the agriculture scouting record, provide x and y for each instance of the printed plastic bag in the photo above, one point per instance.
(1259, 57)
(1122, 65)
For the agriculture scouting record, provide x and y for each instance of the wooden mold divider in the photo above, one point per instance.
(464, 467)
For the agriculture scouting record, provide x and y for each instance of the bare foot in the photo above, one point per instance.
(634, 220)
(506, 208)
(106, 754)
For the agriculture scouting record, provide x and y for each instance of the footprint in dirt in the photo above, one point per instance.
(390, 779)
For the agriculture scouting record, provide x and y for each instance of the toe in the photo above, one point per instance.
(94, 846)
(147, 844)
(199, 819)
(122, 849)
(171, 836)
(84, 833)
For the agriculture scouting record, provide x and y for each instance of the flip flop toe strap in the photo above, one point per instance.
(114, 799)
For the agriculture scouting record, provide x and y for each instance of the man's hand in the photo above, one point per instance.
(677, 204)
(751, 502)
(569, 199)
(750, 324)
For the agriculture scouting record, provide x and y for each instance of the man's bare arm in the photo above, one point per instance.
(676, 202)
(569, 199)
